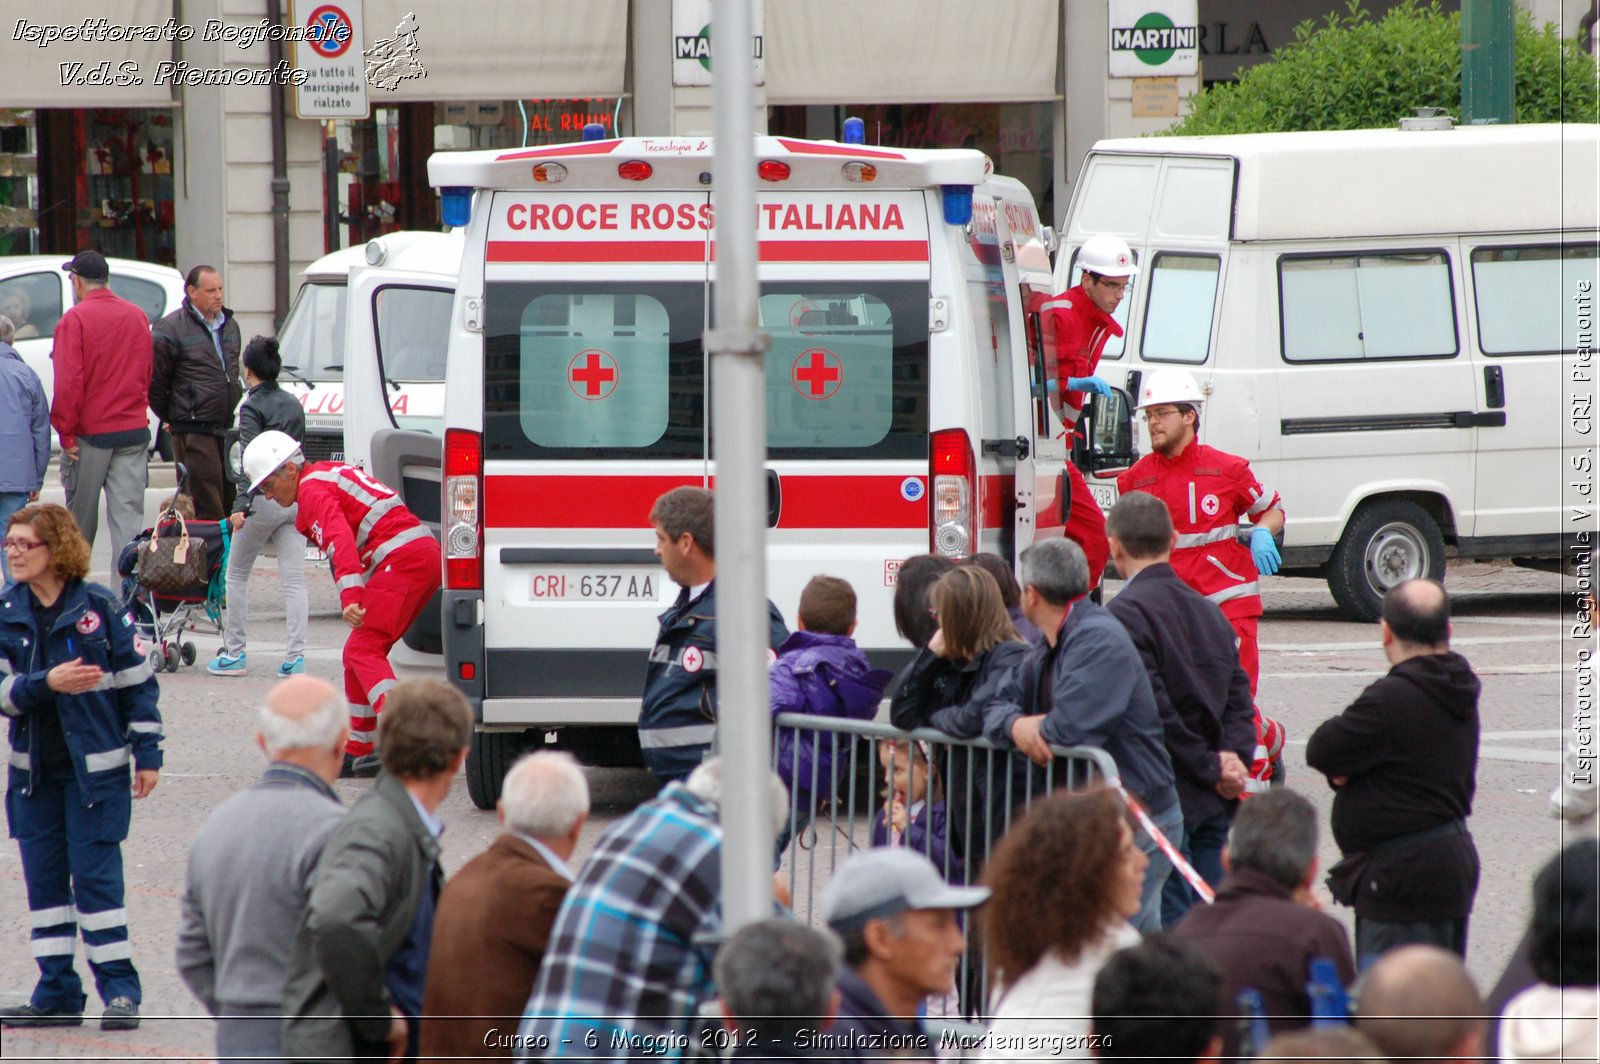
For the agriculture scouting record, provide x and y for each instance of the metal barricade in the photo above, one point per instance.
(838, 809)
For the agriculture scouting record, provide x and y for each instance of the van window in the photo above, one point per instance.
(148, 296)
(312, 339)
(1367, 306)
(32, 302)
(412, 326)
(1177, 316)
(1524, 297)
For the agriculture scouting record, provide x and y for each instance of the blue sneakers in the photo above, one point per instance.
(223, 665)
(292, 667)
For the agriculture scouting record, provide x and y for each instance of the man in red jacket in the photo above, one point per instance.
(103, 362)
(386, 565)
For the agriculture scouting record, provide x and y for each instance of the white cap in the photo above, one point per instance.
(266, 453)
(1168, 385)
(885, 881)
(1108, 255)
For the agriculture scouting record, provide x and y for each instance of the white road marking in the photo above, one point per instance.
(1486, 670)
(1371, 644)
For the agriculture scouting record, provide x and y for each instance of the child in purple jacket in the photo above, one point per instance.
(821, 672)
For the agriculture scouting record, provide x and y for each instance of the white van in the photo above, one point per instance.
(404, 283)
(1384, 322)
(905, 401)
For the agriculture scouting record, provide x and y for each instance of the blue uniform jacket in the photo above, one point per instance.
(677, 717)
(107, 728)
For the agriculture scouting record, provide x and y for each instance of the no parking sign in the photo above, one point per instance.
(330, 53)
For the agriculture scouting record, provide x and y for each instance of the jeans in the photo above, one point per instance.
(1170, 823)
(122, 473)
(268, 522)
(10, 503)
(1202, 848)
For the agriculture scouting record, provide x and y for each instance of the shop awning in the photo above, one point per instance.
(529, 49)
(910, 51)
(50, 76)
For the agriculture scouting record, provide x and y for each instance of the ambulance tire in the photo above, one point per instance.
(1387, 542)
(489, 758)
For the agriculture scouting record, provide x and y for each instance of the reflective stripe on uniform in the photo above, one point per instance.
(346, 485)
(374, 515)
(7, 706)
(132, 676)
(1201, 539)
(379, 689)
(345, 583)
(662, 655)
(395, 542)
(1263, 504)
(1194, 518)
(1231, 593)
(40, 919)
(106, 759)
(55, 946)
(103, 921)
(1226, 571)
(19, 760)
(111, 951)
(145, 727)
(360, 712)
(693, 735)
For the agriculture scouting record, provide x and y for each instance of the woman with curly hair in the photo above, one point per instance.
(85, 741)
(1065, 881)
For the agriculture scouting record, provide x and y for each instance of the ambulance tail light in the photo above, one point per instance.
(858, 171)
(636, 170)
(463, 510)
(455, 206)
(952, 502)
(772, 170)
(549, 173)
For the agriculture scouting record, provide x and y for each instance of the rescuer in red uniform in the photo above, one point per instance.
(1207, 491)
(386, 565)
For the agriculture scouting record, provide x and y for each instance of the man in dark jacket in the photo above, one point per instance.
(1201, 691)
(195, 386)
(1261, 933)
(1085, 686)
(355, 979)
(678, 714)
(1402, 760)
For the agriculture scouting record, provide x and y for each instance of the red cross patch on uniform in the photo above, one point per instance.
(693, 660)
(1210, 505)
(89, 623)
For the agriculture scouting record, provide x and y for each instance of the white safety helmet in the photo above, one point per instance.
(1169, 385)
(266, 453)
(1108, 255)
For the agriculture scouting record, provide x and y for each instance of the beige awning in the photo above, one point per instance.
(910, 51)
(565, 49)
(33, 76)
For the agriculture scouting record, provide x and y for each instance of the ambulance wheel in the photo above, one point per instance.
(489, 758)
(1388, 542)
(188, 653)
(170, 652)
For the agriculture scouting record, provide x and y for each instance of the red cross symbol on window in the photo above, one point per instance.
(596, 378)
(817, 373)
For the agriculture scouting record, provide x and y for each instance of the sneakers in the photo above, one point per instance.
(364, 767)
(223, 665)
(31, 1015)
(120, 1014)
(292, 666)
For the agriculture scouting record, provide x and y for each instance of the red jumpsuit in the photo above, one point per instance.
(1076, 332)
(385, 561)
(1207, 491)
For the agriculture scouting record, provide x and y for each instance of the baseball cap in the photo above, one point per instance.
(884, 881)
(88, 264)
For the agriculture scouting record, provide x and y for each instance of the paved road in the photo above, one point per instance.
(1507, 623)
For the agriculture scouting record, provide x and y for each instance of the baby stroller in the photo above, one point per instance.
(162, 619)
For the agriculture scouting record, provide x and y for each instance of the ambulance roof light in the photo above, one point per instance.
(594, 131)
(549, 173)
(635, 170)
(455, 206)
(772, 170)
(957, 204)
(855, 131)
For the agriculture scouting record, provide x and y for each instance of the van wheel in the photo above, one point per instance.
(489, 758)
(1385, 544)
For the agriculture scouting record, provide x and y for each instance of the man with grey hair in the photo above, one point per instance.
(1419, 1003)
(24, 432)
(629, 961)
(1265, 929)
(495, 915)
(251, 866)
(1084, 684)
(776, 979)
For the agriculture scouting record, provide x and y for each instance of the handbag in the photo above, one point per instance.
(174, 563)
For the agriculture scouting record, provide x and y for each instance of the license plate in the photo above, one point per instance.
(1104, 494)
(638, 585)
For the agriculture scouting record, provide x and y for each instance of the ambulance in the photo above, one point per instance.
(905, 402)
(1395, 326)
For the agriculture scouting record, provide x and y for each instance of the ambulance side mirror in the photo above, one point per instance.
(1106, 439)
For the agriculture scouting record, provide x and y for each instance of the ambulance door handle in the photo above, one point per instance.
(1494, 388)
(774, 498)
(1017, 448)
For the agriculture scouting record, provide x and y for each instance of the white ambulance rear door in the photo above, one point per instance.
(845, 303)
(594, 405)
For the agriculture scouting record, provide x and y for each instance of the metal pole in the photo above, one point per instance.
(739, 429)
(1488, 77)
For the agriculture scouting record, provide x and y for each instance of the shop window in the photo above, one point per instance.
(19, 184)
(125, 192)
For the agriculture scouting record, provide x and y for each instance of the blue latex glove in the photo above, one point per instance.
(1088, 384)
(1265, 551)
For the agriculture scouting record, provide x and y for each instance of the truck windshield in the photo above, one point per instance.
(312, 338)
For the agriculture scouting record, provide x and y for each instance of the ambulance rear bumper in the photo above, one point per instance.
(557, 712)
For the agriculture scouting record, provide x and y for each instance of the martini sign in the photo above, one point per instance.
(1154, 39)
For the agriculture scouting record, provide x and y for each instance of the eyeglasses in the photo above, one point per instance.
(1157, 415)
(20, 546)
(1115, 286)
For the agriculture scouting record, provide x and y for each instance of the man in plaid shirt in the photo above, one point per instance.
(629, 960)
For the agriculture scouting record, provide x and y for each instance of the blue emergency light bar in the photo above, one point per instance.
(855, 131)
(957, 204)
(594, 131)
(456, 205)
